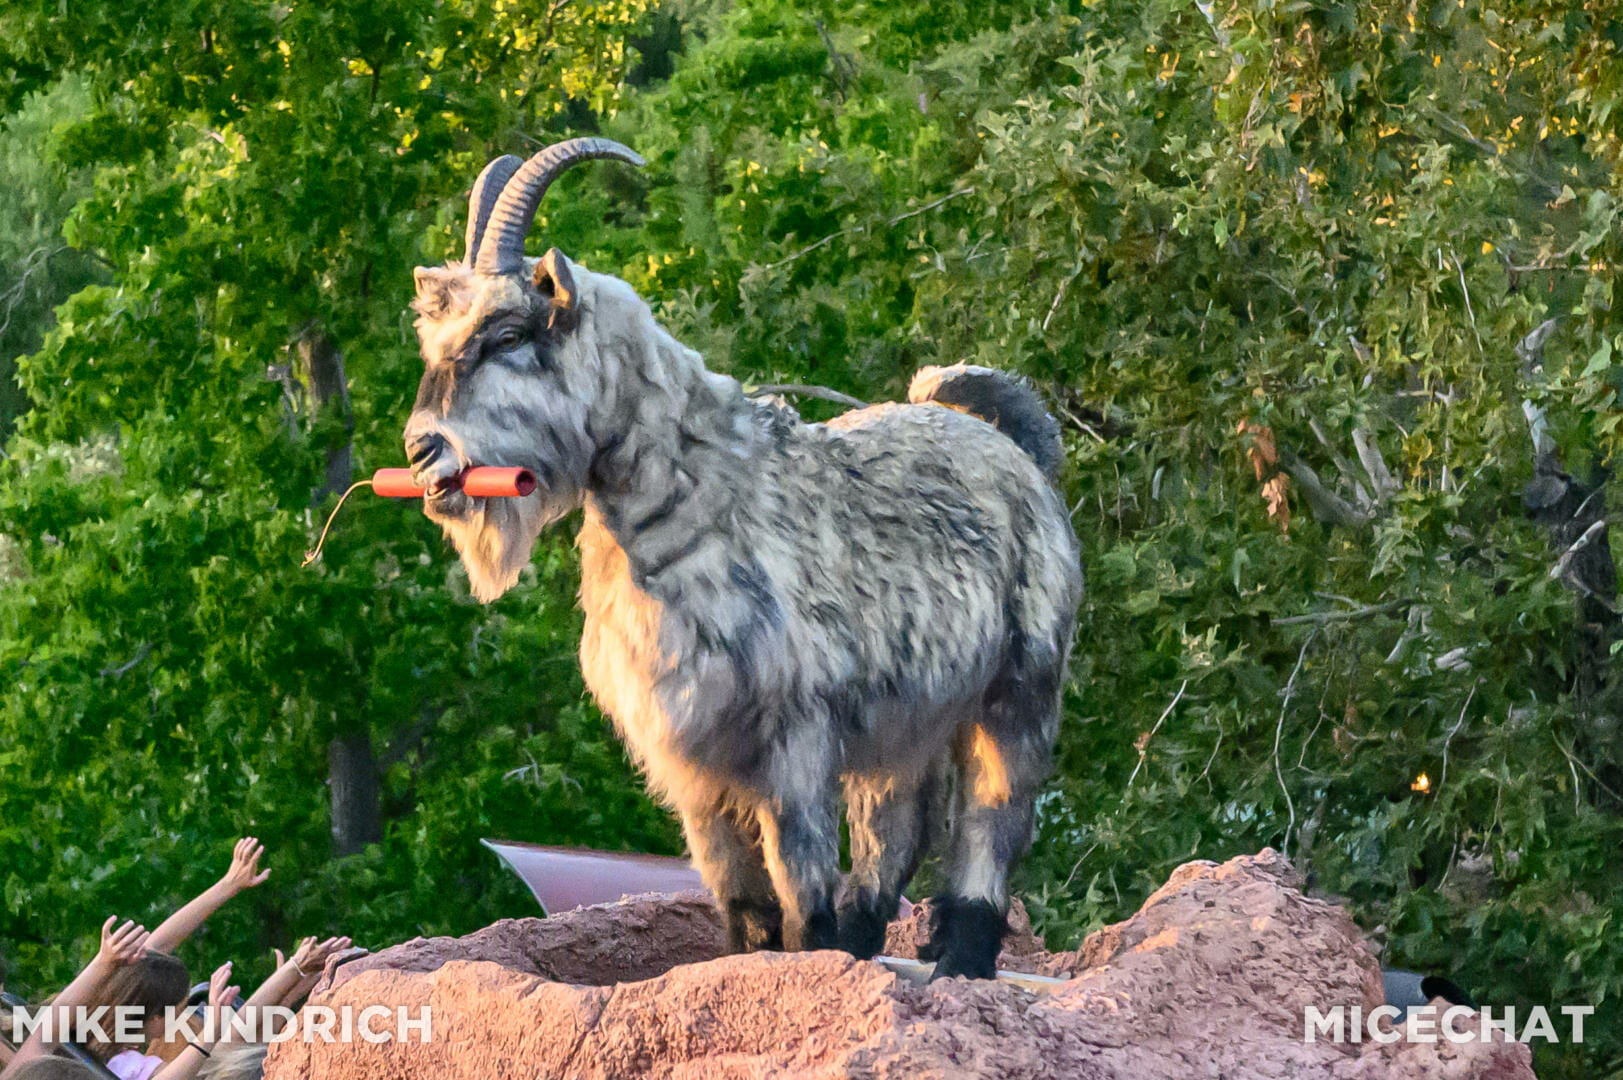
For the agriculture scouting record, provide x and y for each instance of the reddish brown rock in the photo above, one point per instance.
(1425, 1055)
(1210, 978)
(638, 938)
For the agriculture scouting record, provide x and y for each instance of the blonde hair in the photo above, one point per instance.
(235, 1061)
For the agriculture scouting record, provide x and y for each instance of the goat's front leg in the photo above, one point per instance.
(800, 835)
(801, 842)
(725, 845)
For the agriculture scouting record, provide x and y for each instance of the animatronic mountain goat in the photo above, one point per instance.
(773, 608)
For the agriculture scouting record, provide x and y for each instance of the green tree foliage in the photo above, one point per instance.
(1233, 245)
(1304, 280)
(38, 270)
(266, 175)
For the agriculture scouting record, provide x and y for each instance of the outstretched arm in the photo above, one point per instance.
(293, 978)
(119, 948)
(243, 874)
(189, 1060)
(343, 948)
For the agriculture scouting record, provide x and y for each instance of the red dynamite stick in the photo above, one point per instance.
(483, 482)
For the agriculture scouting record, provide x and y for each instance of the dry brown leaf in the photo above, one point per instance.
(1275, 492)
(1264, 456)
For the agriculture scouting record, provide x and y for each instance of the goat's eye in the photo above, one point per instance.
(507, 337)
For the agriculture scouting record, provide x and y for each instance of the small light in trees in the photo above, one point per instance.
(1422, 784)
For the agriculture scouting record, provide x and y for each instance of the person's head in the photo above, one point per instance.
(152, 984)
(237, 1061)
(55, 1068)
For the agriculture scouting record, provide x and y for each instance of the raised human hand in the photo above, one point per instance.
(313, 957)
(281, 958)
(123, 946)
(220, 992)
(245, 872)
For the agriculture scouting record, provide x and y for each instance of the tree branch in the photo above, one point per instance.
(802, 389)
(809, 248)
(927, 207)
(1578, 545)
(1369, 455)
(1442, 779)
(1143, 751)
(1059, 297)
(1564, 571)
(1279, 730)
(1328, 507)
(1342, 464)
(142, 651)
(854, 229)
(1470, 313)
(1531, 348)
(1573, 759)
(13, 296)
(1321, 618)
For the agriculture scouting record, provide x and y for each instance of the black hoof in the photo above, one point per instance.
(965, 938)
(820, 930)
(863, 919)
(753, 927)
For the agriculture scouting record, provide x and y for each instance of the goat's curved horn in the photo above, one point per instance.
(486, 190)
(514, 212)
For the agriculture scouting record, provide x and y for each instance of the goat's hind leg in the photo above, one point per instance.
(1001, 765)
(725, 843)
(890, 823)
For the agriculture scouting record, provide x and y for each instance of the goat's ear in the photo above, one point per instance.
(554, 281)
(430, 278)
(433, 289)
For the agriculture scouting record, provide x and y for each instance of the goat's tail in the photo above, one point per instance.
(1005, 401)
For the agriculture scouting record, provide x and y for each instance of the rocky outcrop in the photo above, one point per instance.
(638, 938)
(1211, 978)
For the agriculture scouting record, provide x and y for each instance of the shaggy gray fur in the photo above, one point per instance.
(775, 610)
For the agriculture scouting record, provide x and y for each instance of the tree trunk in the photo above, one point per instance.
(357, 817)
(352, 767)
(1574, 513)
(322, 366)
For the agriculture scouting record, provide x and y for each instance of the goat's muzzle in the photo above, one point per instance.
(423, 447)
(436, 466)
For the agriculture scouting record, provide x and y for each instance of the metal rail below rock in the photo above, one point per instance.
(918, 971)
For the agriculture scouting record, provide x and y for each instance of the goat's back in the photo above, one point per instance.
(882, 569)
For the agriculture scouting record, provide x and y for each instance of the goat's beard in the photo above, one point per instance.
(495, 540)
(495, 535)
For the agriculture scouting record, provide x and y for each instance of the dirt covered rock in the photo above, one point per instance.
(1211, 978)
